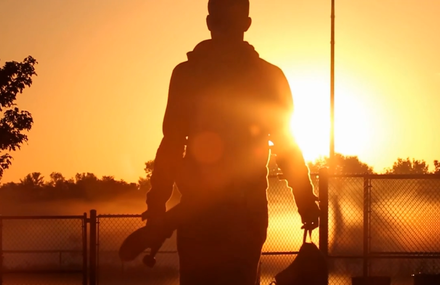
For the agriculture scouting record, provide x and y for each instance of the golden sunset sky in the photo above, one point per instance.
(104, 68)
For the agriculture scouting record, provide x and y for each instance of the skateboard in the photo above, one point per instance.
(149, 237)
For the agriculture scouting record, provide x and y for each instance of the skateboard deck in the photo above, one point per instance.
(148, 237)
(134, 244)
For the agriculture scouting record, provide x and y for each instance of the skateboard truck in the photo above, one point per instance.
(150, 259)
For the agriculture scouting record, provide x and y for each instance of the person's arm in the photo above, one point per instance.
(171, 149)
(289, 156)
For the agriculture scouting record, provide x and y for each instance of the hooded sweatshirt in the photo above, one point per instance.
(224, 105)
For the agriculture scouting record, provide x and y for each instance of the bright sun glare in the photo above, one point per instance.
(310, 123)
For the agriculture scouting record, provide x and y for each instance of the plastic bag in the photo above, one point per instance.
(308, 268)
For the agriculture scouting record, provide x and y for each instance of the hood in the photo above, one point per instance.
(209, 52)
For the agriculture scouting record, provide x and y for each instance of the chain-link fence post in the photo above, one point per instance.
(92, 254)
(84, 250)
(97, 250)
(367, 211)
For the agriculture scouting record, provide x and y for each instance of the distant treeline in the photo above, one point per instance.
(350, 164)
(88, 187)
(85, 186)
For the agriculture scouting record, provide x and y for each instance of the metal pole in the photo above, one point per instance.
(92, 254)
(332, 89)
(85, 255)
(366, 241)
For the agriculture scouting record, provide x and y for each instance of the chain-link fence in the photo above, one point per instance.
(283, 242)
(113, 229)
(43, 250)
(383, 225)
(284, 235)
(372, 225)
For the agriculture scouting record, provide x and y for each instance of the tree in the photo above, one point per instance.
(407, 166)
(149, 167)
(33, 180)
(144, 182)
(85, 178)
(56, 179)
(436, 167)
(14, 77)
(344, 164)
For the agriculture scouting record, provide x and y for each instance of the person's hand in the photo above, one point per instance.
(157, 224)
(144, 215)
(310, 215)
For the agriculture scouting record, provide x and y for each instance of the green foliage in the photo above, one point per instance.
(407, 166)
(344, 164)
(14, 77)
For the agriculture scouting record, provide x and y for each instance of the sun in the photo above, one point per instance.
(310, 123)
(357, 121)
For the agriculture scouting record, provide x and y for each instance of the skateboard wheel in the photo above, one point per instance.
(149, 261)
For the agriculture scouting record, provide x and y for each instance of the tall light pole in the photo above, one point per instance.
(332, 89)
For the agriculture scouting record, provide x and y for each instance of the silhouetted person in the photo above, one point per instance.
(224, 105)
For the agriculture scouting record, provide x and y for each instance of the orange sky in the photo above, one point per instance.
(104, 67)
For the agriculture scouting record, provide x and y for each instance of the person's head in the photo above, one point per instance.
(228, 19)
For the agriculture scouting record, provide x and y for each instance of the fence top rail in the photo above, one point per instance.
(43, 251)
(387, 176)
(372, 176)
(417, 253)
(281, 176)
(119, 216)
(77, 217)
(42, 271)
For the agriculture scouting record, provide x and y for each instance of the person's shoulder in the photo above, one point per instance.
(270, 68)
(274, 78)
(182, 71)
(182, 67)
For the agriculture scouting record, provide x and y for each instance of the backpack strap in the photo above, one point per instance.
(305, 235)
